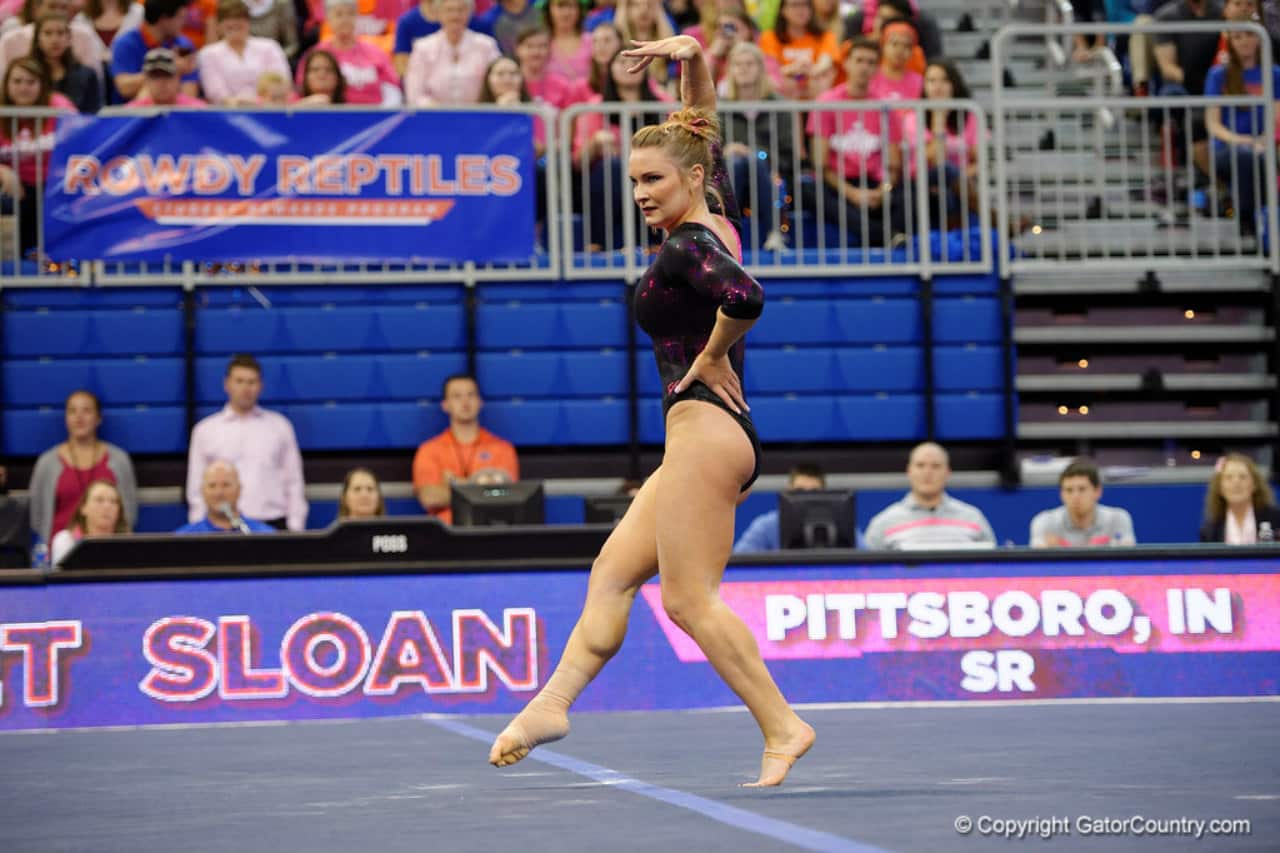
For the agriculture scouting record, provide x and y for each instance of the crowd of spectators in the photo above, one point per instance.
(245, 475)
(558, 53)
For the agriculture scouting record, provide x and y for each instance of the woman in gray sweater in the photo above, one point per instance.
(63, 473)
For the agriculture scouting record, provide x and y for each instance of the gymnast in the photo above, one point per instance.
(697, 303)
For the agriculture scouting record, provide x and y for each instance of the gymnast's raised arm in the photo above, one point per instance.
(697, 89)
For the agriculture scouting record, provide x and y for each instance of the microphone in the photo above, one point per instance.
(236, 521)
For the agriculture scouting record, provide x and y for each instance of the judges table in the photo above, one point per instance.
(406, 616)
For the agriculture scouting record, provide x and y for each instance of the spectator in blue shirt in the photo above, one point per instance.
(161, 27)
(420, 21)
(763, 533)
(220, 488)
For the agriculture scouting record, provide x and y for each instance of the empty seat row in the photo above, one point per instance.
(112, 332)
(116, 381)
(138, 429)
(346, 328)
(410, 376)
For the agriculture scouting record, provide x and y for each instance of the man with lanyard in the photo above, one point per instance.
(463, 453)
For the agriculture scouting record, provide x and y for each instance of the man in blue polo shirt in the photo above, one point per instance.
(763, 533)
(220, 488)
(161, 27)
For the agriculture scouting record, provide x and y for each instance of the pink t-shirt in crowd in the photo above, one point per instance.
(364, 67)
(33, 147)
(958, 147)
(440, 72)
(572, 68)
(550, 89)
(909, 88)
(857, 136)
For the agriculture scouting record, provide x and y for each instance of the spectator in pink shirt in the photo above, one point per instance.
(894, 81)
(229, 69)
(448, 66)
(606, 40)
(259, 443)
(570, 50)
(533, 49)
(370, 77)
(951, 139)
(850, 147)
(29, 141)
(322, 80)
(162, 87)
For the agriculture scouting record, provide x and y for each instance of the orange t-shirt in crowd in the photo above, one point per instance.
(444, 454)
(807, 46)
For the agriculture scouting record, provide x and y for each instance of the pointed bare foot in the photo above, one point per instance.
(538, 723)
(781, 755)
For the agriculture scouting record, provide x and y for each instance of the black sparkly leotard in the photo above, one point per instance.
(676, 300)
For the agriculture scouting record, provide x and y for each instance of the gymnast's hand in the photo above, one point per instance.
(676, 47)
(718, 375)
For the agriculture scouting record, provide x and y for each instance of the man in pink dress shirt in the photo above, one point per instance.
(230, 68)
(260, 444)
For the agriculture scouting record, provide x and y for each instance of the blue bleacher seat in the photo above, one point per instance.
(146, 429)
(796, 322)
(605, 421)
(878, 321)
(331, 328)
(525, 422)
(968, 368)
(421, 327)
(653, 428)
(330, 377)
(790, 370)
(332, 426)
(518, 325)
(233, 330)
(601, 373)
(141, 331)
(29, 432)
(882, 417)
(32, 334)
(795, 418)
(116, 381)
(879, 369)
(969, 319)
(969, 416)
(648, 382)
(594, 324)
(419, 376)
(406, 425)
(518, 373)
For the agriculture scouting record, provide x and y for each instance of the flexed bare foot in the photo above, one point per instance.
(543, 720)
(781, 754)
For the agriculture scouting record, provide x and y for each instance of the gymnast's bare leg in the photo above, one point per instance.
(628, 559)
(708, 457)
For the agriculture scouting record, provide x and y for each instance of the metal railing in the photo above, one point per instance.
(795, 221)
(1140, 194)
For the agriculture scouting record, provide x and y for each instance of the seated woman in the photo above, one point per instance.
(63, 473)
(51, 44)
(1239, 508)
(597, 148)
(26, 144)
(322, 83)
(361, 496)
(759, 148)
(951, 141)
(99, 512)
(808, 55)
(504, 83)
(1240, 138)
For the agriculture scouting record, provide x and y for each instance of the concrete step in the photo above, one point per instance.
(1056, 335)
(1134, 382)
(1213, 430)
(1071, 283)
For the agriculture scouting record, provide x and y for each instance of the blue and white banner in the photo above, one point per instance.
(322, 186)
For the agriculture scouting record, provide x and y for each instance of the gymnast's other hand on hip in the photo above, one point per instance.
(718, 375)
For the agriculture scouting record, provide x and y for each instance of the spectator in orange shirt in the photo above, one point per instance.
(809, 55)
(463, 453)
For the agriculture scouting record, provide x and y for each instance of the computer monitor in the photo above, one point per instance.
(476, 505)
(816, 519)
(606, 509)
